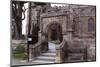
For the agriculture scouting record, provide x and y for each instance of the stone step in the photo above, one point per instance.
(42, 61)
(51, 51)
(46, 58)
(49, 54)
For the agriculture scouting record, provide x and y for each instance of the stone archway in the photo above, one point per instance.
(54, 32)
(54, 28)
(54, 35)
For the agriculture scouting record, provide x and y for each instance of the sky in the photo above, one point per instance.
(24, 22)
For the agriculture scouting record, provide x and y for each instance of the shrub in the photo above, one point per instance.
(19, 49)
(21, 56)
(19, 52)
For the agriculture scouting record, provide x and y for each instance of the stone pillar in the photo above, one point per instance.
(30, 54)
(58, 59)
(68, 36)
(44, 43)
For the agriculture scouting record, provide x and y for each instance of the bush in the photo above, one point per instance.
(21, 56)
(19, 49)
(19, 52)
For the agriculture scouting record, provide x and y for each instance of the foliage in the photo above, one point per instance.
(19, 52)
(19, 49)
(21, 56)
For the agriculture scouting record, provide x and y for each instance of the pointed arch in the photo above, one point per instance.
(91, 25)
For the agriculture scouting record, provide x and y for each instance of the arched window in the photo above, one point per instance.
(91, 25)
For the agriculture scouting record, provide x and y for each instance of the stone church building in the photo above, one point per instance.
(72, 26)
(60, 34)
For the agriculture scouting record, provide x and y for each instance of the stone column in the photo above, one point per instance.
(68, 35)
(58, 59)
(30, 54)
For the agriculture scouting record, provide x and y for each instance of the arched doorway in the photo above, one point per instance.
(54, 35)
(54, 32)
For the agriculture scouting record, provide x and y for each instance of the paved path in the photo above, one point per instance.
(51, 46)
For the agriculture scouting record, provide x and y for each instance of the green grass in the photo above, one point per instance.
(21, 56)
(19, 52)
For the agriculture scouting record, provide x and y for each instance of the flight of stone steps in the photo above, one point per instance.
(47, 57)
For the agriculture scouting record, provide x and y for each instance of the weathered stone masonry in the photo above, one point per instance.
(72, 22)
